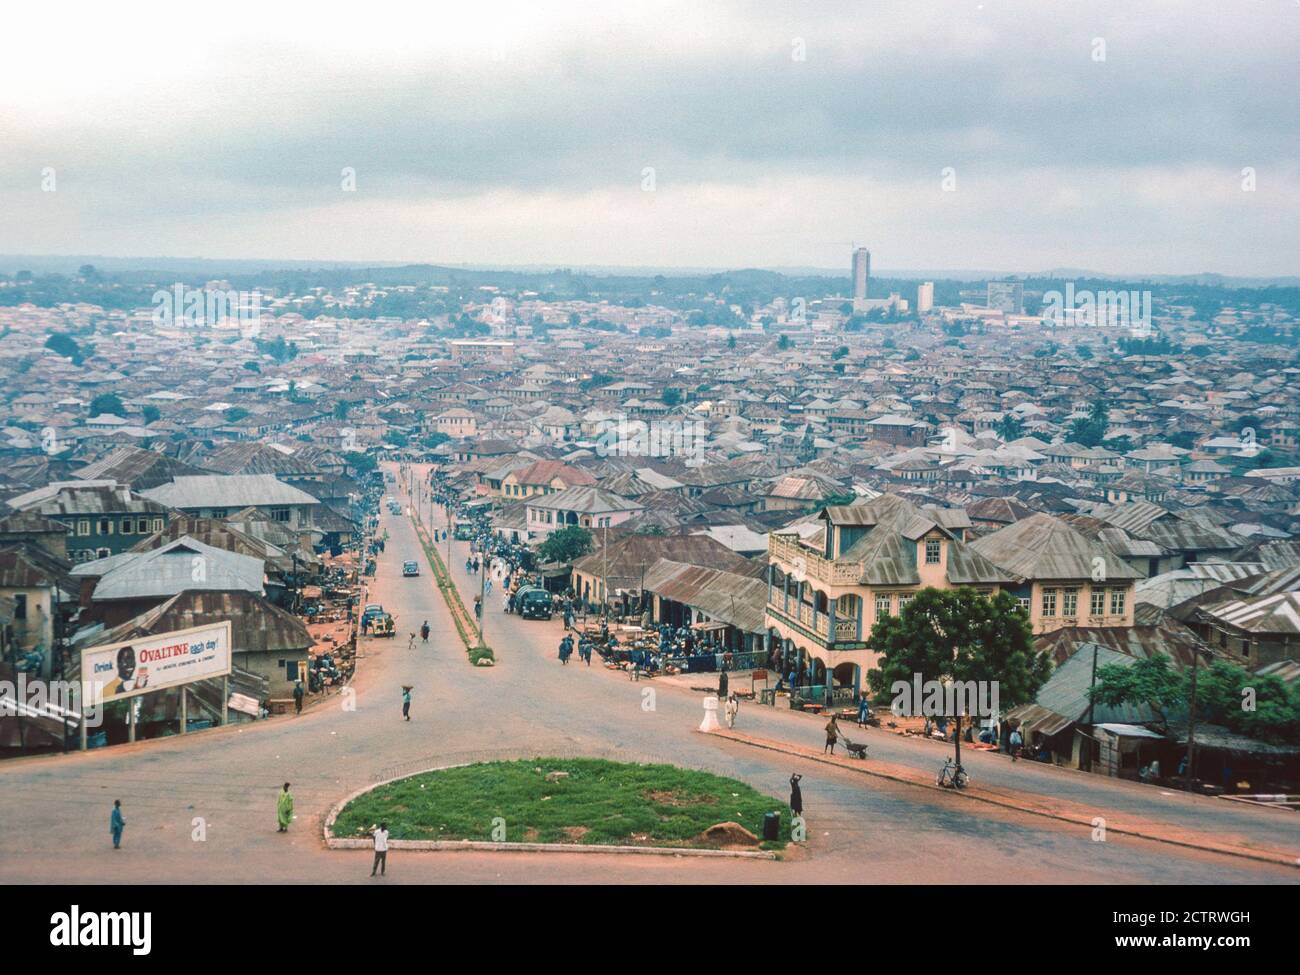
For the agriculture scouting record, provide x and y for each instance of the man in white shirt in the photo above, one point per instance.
(381, 850)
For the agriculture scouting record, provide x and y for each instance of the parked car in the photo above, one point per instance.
(410, 568)
(533, 603)
(371, 611)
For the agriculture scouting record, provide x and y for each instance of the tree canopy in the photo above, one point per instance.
(959, 635)
(1226, 694)
(107, 403)
(565, 545)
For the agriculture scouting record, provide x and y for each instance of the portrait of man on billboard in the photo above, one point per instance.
(129, 677)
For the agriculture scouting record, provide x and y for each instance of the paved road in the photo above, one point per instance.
(862, 829)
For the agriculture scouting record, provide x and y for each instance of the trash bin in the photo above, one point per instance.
(772, 827)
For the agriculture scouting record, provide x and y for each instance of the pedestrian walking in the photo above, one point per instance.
(1016, 741)
(864, 711)
(566, 649)
(832, 735)
(478, 608)
(722, 685)
(116, 824)
(406, 701)
(732, 709)
(424, 631)
(284, 809)
(381, 850)
(297, 697)
(796, 795)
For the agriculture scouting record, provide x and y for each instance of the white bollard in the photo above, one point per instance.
(710, 722)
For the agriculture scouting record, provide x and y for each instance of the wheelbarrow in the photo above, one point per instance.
(854, 749)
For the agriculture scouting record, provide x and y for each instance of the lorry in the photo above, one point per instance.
(533, 603)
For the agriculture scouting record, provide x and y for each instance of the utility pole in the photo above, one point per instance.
(1191, 726)
(1092, 687)
(604, 584)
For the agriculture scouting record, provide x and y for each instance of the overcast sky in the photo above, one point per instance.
(521, 133)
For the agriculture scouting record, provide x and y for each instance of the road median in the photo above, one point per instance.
(466, 626)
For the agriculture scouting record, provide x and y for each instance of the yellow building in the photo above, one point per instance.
(832, 575)
(1070, 580)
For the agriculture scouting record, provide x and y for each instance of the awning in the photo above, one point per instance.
(1128, 731)
(1035, 717)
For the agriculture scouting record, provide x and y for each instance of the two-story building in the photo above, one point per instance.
(1069, 579)
(102, 518)
(218, 496)
(833, 575)
(587, 507)
(543, 477)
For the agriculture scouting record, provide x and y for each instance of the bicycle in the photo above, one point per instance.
(952, 776)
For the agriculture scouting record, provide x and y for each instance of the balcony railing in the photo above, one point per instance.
(846, 628)
(797, 561)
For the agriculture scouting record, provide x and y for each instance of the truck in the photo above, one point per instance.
(533, 603)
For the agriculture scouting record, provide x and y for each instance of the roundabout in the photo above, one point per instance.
(563, 803)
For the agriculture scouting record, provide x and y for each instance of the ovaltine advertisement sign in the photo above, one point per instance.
(119, 670)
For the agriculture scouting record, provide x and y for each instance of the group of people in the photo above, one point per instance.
(584, 649)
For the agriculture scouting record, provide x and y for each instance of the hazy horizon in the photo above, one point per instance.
(980, 135)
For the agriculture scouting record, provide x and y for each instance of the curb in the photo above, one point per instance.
(1263, 856)
(333, 842)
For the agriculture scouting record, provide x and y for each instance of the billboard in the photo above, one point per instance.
(151, 663)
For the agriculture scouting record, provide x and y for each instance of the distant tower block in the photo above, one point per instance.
(861, 276)
(924, 297)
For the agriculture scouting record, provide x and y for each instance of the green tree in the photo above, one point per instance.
(1010, 427)
(959, 635)
(1087, 431)
(672, 396)
(107, 403)
(783, 342)
(151, 413)
(65, 345)
(1223, 691)
(1150, 681)
(565, 545)
(235, 414)
(360, 462)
